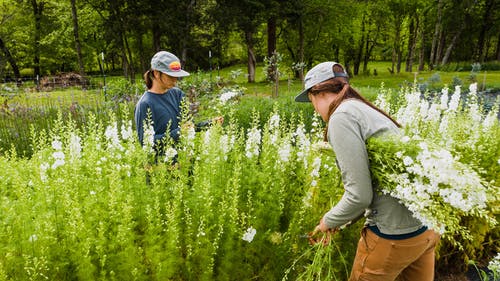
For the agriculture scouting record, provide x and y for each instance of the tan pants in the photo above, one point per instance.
(379, 259)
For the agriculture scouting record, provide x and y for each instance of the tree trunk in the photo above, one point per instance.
(439, 51)
(156, 31)
(498, 47)
(435, 38)
(396, 49)
(130, 64)
(359, 52)
(271, 36)
(78, 45)
(486, 25)
(271, 48)
(251, 56)
(184, 44)
(412, 42)
(37, 13)
(301, 48)
(369, 49)
(12, 62)
(452, 44)
(421, 58)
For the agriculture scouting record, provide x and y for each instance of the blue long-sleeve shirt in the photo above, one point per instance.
(165, 113)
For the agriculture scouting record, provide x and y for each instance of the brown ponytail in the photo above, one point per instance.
(149, 76)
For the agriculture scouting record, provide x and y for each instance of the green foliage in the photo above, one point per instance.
(93, 206)
(22, 114)
(112, 214)
(122, 90)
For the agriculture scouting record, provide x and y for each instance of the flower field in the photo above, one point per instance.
(233, 203)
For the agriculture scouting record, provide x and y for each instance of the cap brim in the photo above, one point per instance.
(180, 73)
(303, 96)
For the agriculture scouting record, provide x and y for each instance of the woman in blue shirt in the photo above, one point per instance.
(162, 101)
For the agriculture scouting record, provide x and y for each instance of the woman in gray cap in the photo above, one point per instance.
(393, 244)
(163, 99)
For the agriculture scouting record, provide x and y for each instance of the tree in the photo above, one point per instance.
(247, 16)
(37, 8)
(437, 33)
(12, 62)
(52, 39)
(78, 45)
(398, 11)
(6, 17)
(489, 18)
(372, 19)
(414, 34)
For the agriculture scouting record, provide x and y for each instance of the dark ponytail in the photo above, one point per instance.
(149, 76)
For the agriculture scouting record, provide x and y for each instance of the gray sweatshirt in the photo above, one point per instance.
(348, 129)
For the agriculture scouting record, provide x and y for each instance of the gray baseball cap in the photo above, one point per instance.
(319, 73)
(168, 63)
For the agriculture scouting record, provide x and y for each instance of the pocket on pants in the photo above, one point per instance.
(377, 254)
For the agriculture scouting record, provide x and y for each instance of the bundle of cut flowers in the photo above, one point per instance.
(431, 182)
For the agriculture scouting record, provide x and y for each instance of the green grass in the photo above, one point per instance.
(289, 86)
(62, 98)
(367, 84)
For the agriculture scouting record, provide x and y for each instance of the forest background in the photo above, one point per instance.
(47, 37)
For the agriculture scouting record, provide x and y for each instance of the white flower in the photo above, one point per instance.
(382, 103)
(206, 139)
(224, 97)
(444, 99)
(455, 99)
(307, 199)
(494, 265)
(43, 171)
(170, 153)
(57, 163)
(249, 234)
(226, 143)
(56, 145)
(191, 133)
(407, 161)
(149, 138)
(473, 88)
(284, 152)
(75, 148)
(33, 238)
(274, 122)
(252, 146)
(433, 114)
(58, 155)
(489, 121)
(303, 144)
(127, 132)
(111, 134)
(316, 166)
(59, 159)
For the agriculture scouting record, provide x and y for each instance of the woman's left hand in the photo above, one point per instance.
(322, 227)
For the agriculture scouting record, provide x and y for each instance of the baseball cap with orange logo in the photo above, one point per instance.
(168, 63)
